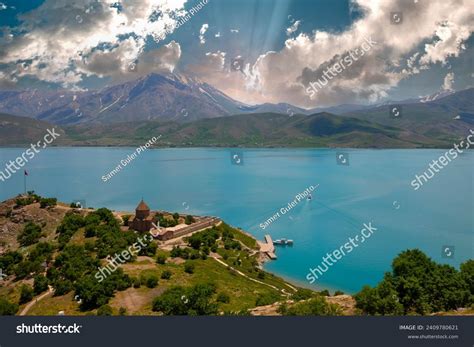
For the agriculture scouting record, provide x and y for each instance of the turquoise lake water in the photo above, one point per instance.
(374, 188)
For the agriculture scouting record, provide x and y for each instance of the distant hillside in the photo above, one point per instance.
(445, 119)
(255, 130)
(22, 131)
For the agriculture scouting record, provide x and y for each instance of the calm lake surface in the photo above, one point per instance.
(374, 188)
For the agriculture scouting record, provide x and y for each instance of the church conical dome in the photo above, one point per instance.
(142, 206)
(142, 211)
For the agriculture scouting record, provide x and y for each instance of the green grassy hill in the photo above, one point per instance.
(16, 130)
(252, 130)
(256, 130)
(434, 120)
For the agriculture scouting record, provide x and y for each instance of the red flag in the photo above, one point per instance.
(26, 173)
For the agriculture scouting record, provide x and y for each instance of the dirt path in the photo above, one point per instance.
(30, 304)
(250, 278)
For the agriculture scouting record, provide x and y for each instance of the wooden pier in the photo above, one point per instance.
(268, 247)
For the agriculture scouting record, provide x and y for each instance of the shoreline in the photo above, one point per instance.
(127, 146)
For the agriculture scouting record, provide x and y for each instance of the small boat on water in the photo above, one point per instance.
(310, 197)
(283, 242)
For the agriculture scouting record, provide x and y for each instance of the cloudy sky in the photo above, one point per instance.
(278, 47)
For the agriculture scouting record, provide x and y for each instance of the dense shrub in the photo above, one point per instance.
(151, 281)
(7, 308)
(317, 306)
(325, 292)
(166, 275)
(69, 225)
(48, 202)
(95, 294)
(31, 234)
(189, 267)
(418, 285)
(104, 310)
(223, 297)
(26, 294)
(267, 299)
(196, 300)
(189, 220)
(43, 251)
(149, 250)
(177, 252)
(303, 294)
(9, 260)
(40, 284)
(161, 258)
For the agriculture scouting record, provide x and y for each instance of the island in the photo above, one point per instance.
(65, 259)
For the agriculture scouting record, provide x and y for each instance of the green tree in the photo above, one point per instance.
(467, 276)
(9, 260)
(166, 275)
(7, 308)
(416, 285)
(151, 281)
(149, 250)
(48, 202)
(173, 301)
(126, 219)
(95, 294)
(317, 306)
(223, 298)
(302, 294)
(189, 267)
(40, 284)
(26, 294)
(195, 300)
(189, 220)
(31, 234)
(267, 298)
(161, 258)
(325, 292)
(104, 310)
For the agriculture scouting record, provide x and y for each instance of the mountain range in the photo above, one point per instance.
(189, 112)
(152, 97)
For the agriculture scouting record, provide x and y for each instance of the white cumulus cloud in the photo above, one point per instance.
(293, 28)
(202, 32)
(448, 82)
(62, 41)
(431, 32)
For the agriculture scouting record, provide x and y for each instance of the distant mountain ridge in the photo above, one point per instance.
(444, 118)
(248, 130)
(165, 97)
(152, 97)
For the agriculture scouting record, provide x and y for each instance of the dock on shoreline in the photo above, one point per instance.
(267, 247)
